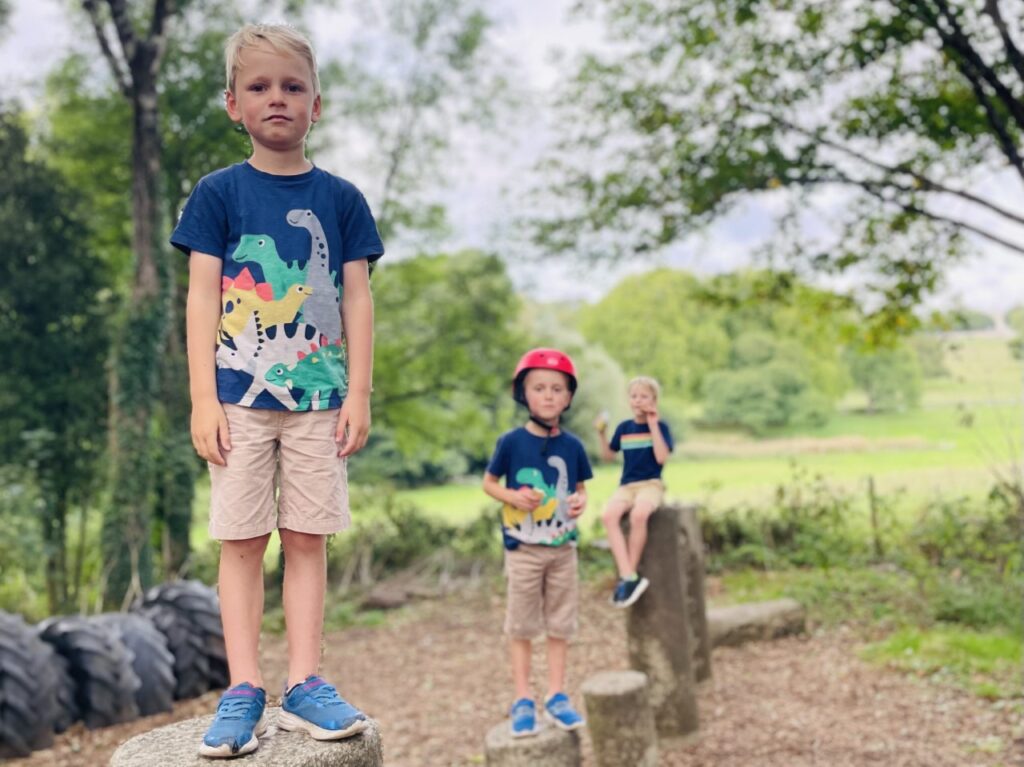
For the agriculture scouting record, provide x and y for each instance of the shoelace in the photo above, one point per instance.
(522, 710)
(235, 707)
(560, 707)
(326, 695)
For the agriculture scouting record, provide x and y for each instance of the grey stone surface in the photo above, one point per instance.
(658, 630)
(737, 624)
(550, 747)
(691, 549)
(620, 719)
(177, 745)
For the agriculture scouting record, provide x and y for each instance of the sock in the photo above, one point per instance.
(632, 577)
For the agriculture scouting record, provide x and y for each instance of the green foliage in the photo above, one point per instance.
(445, 344)
(961, 319)
(890, 376)
(54, 332)
(1015, 319)
(693, 108)
(930, 351)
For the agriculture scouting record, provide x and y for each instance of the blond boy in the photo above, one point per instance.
(279, 371)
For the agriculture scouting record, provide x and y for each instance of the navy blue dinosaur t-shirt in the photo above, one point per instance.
(283, 240)
(553, 467)
(634, 440)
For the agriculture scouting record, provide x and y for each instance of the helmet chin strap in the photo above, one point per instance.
(549, 430)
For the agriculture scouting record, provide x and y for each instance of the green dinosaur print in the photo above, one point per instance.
(261, 249)
(315, 373)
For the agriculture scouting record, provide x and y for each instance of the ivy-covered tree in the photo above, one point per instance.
(876, 123)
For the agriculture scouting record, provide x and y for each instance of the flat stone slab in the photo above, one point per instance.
(177, 745)
(755, 621)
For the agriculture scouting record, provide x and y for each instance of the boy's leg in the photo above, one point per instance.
(558, 652)
(305, 583)
(561, 607)
(240, 588)
(612, 517)
(519, 653)
(638, 531)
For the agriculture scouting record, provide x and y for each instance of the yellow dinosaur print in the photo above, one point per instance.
(513, 517)
(244, 303)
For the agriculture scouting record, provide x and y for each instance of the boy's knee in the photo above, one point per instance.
(641, 512)
(613, 513)
(245, 547)
(297, 543)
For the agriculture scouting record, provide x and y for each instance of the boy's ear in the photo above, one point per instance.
(231, 105)
(316, 108)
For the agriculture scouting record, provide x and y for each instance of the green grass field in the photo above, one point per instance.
(968, 427)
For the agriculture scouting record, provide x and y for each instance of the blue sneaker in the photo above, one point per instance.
(238, 722)
(524, 718)
(560, 712)
(316, 708)
(627, 592)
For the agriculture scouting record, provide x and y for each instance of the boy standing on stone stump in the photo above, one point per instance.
(645, 443)
(545, 469)
(279, 372)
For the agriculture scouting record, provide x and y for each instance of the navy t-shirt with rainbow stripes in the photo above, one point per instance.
(638, 461)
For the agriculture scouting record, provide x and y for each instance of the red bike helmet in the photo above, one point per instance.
(544, 359)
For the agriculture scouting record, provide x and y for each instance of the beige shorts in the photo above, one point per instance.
(283, 471)
(543, 591)
(650, 490)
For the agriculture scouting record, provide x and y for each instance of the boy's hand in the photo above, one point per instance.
(652, 415)
(576, 503)
(601, 423)
(210, 435)
(526, 498)
(353, 424)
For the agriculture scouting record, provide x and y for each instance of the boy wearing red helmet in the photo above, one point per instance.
(545, 469)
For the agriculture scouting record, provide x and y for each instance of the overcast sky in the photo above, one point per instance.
(490, 175)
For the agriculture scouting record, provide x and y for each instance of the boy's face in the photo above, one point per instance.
(641, 399)
(273, 98)
(547, 393)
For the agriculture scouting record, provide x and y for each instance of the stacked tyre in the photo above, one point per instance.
(188, 615)
(28, 689)
(110, 668)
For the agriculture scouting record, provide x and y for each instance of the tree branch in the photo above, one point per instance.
(125, 30)
(927, 184)
(116, 69)
(1013, 54)
(163, 11)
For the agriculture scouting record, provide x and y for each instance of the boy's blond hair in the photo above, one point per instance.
(283, 38)
(649, 383)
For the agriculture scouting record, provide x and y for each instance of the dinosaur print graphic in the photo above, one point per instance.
(324, 306)
(243, 297)
(316, 373)
(550, 518)
(262, 250)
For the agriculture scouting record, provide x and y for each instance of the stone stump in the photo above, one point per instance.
(550, 747)
(691, 550)
(620, 719)
(177, 745)
(658, 629)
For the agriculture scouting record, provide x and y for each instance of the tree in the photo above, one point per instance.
(54, 334)
(445, 344)
(890, 376)
(441, 75)
(898, 107)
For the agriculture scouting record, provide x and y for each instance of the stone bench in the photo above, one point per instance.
(550, 747)
(177, 745)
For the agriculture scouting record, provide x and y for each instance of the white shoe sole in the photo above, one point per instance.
(294, 723)
(523, 734)
(224, 751)
(566, 727)
(638, 592)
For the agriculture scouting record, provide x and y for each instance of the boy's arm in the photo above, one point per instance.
(202, 317)
(577, 502)
(357, 319)
(661, 450)
(523, 498)
(607, 454)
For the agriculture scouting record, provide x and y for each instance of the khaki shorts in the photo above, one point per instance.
(650, 490)
(543, 591)
(292, 456)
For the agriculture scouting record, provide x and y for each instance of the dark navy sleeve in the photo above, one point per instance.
(359, 236)
(583, 470)
(667, 435)
(203, 224)
(498, 465)
(616, 444)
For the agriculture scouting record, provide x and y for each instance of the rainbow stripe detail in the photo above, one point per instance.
(636, 441)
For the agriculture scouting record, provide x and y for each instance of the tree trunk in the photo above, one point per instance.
(691, 551)
(134, 374)
(620, 719)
